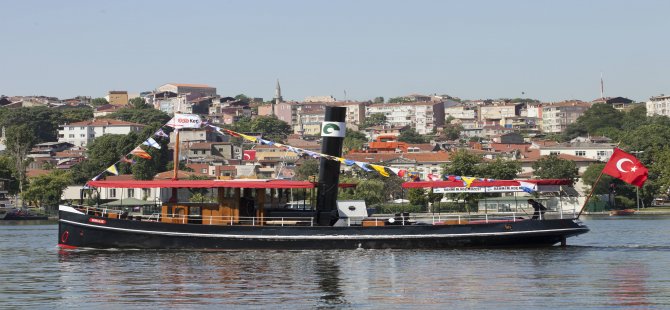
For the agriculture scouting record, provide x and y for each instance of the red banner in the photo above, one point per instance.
(626, 167)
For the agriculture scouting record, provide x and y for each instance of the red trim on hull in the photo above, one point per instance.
(66, 247)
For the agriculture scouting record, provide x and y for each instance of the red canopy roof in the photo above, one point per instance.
(242, 183)
(433, 184)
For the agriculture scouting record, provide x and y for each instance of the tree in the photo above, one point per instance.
(76, 114)
(7, 173)
(372, 191)
(375, 119)
(378, 100)
(417, 197)
(354, 140)
(307, 168)
(97, 102)
(20, 139)
(591, 174)
(271, 127)
(139, 103)
(500, 169)
(42, 121)
(554, 167)
(46, 190)
(411, 136)
(452, 131)
(146, 116)
(462, 163)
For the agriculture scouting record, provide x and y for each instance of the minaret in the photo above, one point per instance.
(277, 98)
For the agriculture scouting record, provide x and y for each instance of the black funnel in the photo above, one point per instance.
(332, 130)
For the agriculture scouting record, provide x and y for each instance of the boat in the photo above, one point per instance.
(16, 214)
(622, 212)
(249, 214)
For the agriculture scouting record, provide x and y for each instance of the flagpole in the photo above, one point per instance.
(593, 188)
(175, 159)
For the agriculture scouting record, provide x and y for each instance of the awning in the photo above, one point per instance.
(442, 184)
(241, 183)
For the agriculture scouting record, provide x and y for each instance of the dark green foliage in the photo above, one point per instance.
(354, 140)
(374, 119)
(143, 115)
(553, 167)
(411, 136)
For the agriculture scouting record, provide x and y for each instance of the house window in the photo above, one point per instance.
(131, 192)
(82, 135)
(112, 192)
(203, 170)
(554, 153)
(580, 153)
(71, 135)
(602, 153)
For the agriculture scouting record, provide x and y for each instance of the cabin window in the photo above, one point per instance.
(146, 192)
(112, 192)
(131, 192)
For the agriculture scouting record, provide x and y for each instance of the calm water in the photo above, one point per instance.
(622, 263)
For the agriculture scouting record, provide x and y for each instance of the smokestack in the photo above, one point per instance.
(333, 131)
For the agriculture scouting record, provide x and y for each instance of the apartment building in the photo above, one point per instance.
(83, 133)
(557, 116)
(424, 117)
(658, 105)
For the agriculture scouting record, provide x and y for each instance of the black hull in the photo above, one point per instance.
(11, 217)
(79, 230)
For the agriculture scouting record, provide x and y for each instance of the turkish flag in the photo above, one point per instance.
(249, 155)
(626, 167)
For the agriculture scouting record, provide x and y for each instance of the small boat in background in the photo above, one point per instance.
(622, 212)
(23, 215)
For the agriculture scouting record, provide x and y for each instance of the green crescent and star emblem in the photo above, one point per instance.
(333, 129)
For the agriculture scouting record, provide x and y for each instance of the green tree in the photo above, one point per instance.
(599, 116)
(76, 114)
(146, 116)
(271, 127)
(307, 168)
(554, 167)
(411, 136)
(375, 119)
(139, 103)
(452, 131)
(354, 140)
(500, 169)
(7, 173)
(46, 190)
(591, 175)
(463, 163)
(20, 139)
(417, 197)
(42, 121)
(378, 100)
(97, 102)
(372, 191)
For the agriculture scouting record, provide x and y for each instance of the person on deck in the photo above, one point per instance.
(539, 209)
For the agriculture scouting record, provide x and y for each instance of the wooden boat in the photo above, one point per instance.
(246, 216)
(622, 212)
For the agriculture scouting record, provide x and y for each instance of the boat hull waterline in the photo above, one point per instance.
(87, 231)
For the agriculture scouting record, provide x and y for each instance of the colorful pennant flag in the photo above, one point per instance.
(363, 165)
(380, 169)
(161, 133)
(112, 169)
(468, 181)
(139, 152)
(127, 160)
(152, 143)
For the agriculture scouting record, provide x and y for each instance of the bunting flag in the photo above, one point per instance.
(380, 169)
(432, 177)
(265, 142)
(139, 152)
(112, 169)
(127, 160)
(247, 137)
(528, 187)
(468, 181)
(161, 133)
(152, 143)
(232, 133)
(363, 165)
(95, 178)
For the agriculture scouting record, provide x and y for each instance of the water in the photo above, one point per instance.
(622, 263)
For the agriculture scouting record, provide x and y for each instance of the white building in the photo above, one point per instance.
(83, 133)
(557, 116)
(424, 117)
(595, 151)
(659, 105)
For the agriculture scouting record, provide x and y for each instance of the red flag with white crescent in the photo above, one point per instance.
(626, 167)
(249, 155)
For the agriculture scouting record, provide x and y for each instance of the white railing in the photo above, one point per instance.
(236, 220)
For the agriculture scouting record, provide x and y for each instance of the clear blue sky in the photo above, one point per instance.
(551, 50)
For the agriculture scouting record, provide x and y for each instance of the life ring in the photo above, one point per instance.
(64, 236)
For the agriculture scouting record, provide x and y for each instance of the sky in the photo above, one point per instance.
(547, 50)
